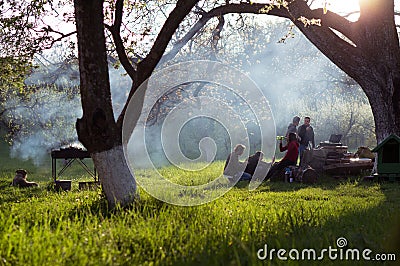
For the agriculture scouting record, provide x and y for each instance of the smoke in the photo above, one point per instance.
(218, 103)
(293, 75)
(45, 119)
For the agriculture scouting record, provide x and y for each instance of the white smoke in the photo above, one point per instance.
(46, 118)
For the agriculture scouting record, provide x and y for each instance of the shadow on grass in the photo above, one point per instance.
(101, 208)
(325, 182)
(376, 229)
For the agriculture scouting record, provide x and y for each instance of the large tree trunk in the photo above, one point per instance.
(378, 39)
(116, 177)
(384, 99)
(97, 129)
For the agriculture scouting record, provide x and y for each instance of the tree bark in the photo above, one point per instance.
(384, 98)
(97, 129)
(116, 178)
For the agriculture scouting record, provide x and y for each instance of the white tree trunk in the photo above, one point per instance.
(117, 181)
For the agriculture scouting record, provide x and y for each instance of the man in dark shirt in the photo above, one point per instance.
(306, 136)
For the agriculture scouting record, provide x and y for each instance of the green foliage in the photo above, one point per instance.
(22, 32)
(12, 75)
(41, 227)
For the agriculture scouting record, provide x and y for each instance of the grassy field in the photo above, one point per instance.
(40, 226)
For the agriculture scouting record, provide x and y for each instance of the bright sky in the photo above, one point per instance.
(343, 6)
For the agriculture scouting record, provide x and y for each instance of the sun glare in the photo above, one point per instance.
(342, 6)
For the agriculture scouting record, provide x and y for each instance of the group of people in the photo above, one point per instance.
(238, 171)
(297, 141)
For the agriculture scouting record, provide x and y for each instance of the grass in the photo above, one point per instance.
(39, 226)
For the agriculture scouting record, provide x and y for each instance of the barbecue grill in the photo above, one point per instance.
(70, 155)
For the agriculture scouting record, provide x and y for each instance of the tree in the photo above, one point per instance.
(97, 129)
(22, 35)
(12, 74)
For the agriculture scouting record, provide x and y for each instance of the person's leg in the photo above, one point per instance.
(279, 167)
(272, 170)
(245, 176)
(301, 151)
(286, 163)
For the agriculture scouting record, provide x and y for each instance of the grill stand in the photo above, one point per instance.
(71, 155)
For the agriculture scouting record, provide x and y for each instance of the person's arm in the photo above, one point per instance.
(289, 130)
(302, 132)
(244, 163)
(282, 148)
(313, 141)
(227, 161)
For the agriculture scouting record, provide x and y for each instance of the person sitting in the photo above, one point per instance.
(253, 161)
(20, 179)
(256, 166)
(234, 169)
(290, 158)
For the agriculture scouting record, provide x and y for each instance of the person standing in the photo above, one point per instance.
(306, 136)
(292, 128)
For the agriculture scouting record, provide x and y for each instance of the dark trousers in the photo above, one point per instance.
(279, 167)
(302, 148)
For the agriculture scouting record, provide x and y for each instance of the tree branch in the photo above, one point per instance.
(216, 34)
(146, 67)
(119, 45)
(334, 21)
(219, 11)
(294, 11)
(52, 40)
(340, 52)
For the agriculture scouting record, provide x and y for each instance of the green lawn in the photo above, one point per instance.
(39, 226)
